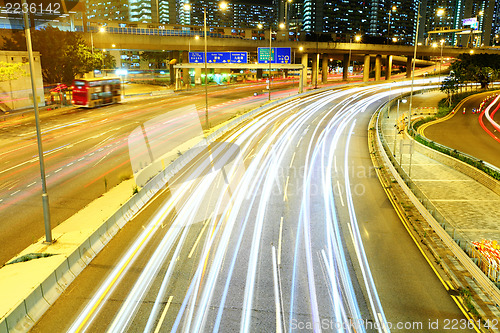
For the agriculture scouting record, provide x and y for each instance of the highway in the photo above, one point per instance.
(266, 231)
(464, 133)
(86, 153)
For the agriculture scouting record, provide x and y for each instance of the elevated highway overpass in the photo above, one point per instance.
(373, 56)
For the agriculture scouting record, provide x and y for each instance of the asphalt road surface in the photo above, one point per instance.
(464, 133)
(266, 231)
(87, 152)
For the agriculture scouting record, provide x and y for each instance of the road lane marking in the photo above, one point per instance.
(298, 143)
(14, 193)
(163, 315)
(279, 329)
(199, 236)
(58, 170)
(291, 162)
(31, 184)
(279, 241)
(285, 198)
(458, 301)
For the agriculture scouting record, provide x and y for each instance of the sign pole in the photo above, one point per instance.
(270, 57)
(45, 196)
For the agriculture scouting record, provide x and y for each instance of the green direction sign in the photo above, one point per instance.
(263, 55)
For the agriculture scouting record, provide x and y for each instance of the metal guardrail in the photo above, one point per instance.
(457, 242)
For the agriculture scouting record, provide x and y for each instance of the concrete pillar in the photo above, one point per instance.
(304, 69)
(388, 69)
(366, 69)
(314, 77)
(186, 79)
(345, 67)
(378, 66)
(117, 55)
(324, 68)
(408, 66)
(259, 73)
(197, 76)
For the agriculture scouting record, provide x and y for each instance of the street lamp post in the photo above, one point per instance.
(441, 60)
(413, 67)
(45, 196)
(222, 5)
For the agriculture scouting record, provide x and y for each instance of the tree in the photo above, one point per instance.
(156, 58)
(449, 86)
(64, 54)
(481, 68)
(11, 71)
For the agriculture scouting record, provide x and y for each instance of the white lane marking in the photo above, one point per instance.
(31, 184)
(58, 170)
(163, 315)
(279, 241)
(279, 329)
(291, 162)
(14, 193)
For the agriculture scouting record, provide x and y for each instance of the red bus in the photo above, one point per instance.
(95, 92)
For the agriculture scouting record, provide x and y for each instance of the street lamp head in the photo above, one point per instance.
(394, 39)
(481, 13)
(282, 25)
(440, 12)
(434, 44)
(187, 6)
(403, 100)
(394, 8)
(442, 41)
(260, 26)
(471, 51)
(113, 45)
(101, 29)
(357, 38)
(301, 48)
(223, 5)
(196, 37)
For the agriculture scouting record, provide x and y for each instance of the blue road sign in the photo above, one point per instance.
(283, 55)
(196, 57)
(218, 57)
(239, 57)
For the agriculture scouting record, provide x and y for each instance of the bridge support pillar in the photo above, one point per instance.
(366, 69)
(304, 69)
(324, 68)
(378, 66)
(197, 76)
(314, 78)
(345, 67)
(186, 78)
(388, 69)
(408, 66)
(259, 74)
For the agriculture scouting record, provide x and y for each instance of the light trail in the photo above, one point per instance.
(233, 262)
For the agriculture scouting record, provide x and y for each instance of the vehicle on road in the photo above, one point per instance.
(96, 92)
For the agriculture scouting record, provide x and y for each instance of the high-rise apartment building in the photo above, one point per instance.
(450, 15)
